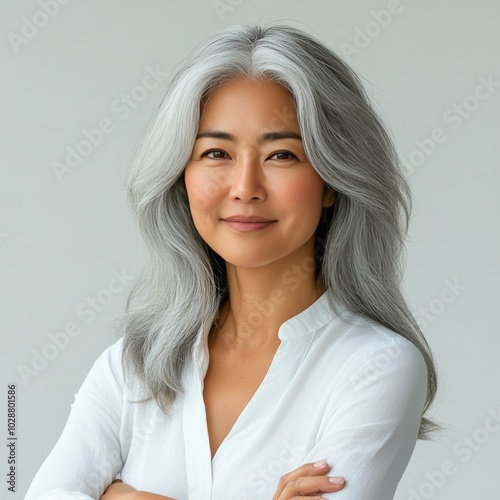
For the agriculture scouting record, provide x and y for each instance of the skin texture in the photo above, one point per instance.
(243, 175)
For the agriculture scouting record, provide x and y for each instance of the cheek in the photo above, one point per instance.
(203, 189)
(304, 193)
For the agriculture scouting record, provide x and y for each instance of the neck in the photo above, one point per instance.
(261, 299)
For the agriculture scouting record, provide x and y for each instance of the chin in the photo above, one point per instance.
(247, 261)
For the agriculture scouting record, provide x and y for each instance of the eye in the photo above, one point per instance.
(216, 156)
(219, 154)
(290, 155)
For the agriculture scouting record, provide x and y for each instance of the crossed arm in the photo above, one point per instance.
(305, 480)
(368, 438)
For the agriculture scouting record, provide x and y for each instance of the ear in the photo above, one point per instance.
(329, 196)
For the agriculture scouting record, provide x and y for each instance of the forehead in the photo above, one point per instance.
(244, 99)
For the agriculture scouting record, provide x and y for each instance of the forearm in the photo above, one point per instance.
(118, 490)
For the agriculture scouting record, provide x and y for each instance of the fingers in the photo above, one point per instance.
(308, 479)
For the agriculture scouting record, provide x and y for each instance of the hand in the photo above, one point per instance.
(307, 480)
(118, 490)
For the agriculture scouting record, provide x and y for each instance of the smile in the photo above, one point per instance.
(247, 226)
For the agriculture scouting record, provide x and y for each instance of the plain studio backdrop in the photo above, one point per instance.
(75, 98)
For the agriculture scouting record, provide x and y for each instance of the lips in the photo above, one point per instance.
(247, 223)
(246, 218)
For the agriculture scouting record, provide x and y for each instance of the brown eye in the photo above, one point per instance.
(287, 155)
(216, 154)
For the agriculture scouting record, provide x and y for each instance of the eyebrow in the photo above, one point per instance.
(265, 137)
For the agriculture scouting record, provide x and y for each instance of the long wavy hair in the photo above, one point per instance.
(359, 240)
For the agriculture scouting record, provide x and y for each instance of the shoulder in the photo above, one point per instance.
(370, 353)
(380, 342)
(106, 372)
(111, 358)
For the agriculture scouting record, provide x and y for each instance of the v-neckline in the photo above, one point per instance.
(247, 408)
(296, 335)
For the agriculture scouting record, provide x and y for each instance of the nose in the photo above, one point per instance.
(247, 179)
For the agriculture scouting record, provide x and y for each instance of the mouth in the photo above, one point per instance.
(246, 218)
(247, 226)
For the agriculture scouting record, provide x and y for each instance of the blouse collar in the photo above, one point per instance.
(312, 318)
(318, 314)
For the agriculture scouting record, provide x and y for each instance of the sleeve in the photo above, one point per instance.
(371, 429)
(87, 456)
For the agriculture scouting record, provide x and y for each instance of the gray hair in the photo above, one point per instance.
(359, 241)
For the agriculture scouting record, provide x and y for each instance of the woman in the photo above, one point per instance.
(272, 332)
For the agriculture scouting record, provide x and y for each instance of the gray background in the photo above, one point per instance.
(62, 238)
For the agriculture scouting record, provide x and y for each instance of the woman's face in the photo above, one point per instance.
(236, 170)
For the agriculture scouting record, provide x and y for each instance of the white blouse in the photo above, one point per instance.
(350, 393)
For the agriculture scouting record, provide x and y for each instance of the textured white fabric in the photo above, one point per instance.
(350, 393)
